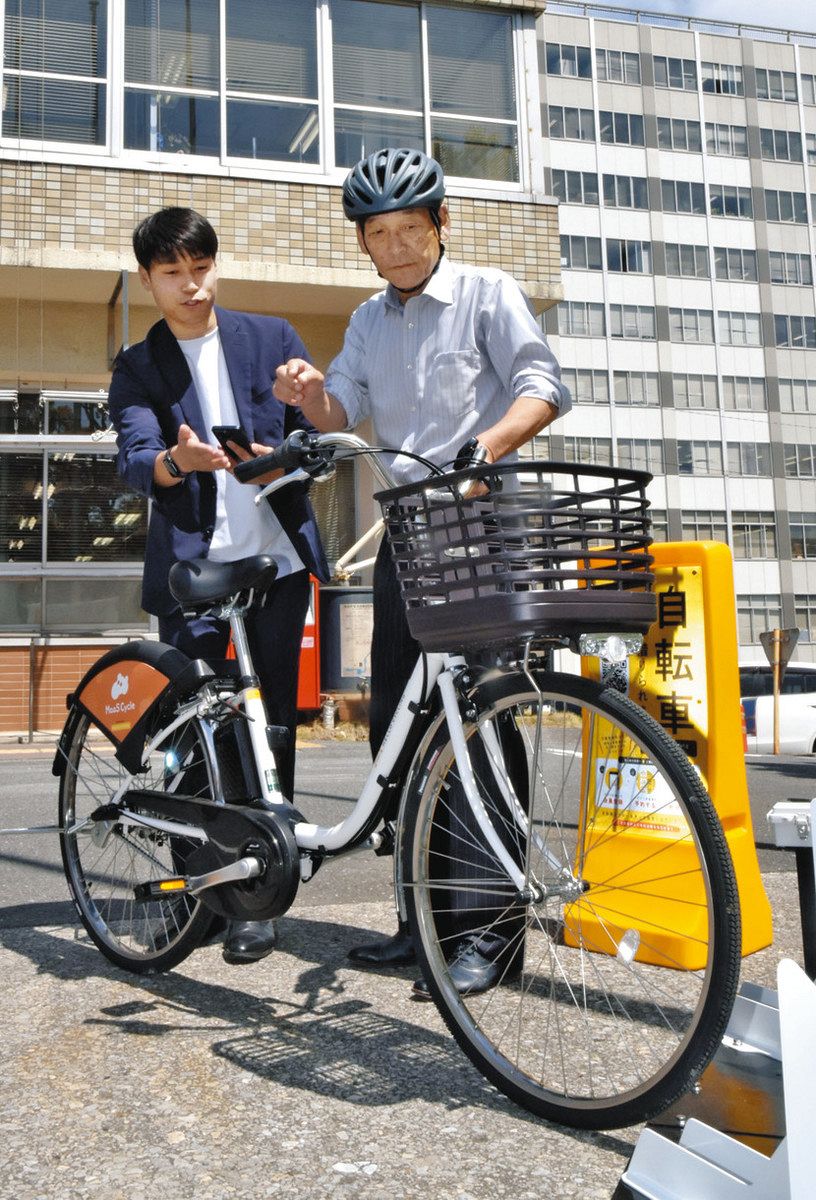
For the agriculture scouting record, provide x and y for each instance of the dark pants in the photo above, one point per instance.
(274, 633)
(393, 657)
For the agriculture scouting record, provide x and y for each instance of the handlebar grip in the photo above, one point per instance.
(246, 471)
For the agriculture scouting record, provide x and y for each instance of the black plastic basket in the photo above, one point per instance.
(552, 549)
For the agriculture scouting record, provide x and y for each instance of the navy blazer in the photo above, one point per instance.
(152, 394)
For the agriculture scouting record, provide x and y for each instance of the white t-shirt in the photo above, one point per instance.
(242, 527)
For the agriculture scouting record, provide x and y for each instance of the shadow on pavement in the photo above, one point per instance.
(331, 1044)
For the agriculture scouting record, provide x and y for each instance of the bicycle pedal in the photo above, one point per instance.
(159, 889)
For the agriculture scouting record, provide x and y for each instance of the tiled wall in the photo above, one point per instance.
(57, 671)
(87, 209)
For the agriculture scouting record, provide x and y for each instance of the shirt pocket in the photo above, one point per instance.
(453, 378)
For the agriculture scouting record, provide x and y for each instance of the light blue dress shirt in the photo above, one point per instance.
(443, 366)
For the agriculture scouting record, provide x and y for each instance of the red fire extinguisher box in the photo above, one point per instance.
(308, 695)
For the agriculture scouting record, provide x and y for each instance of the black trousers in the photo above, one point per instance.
(458, 842)
(274, 633)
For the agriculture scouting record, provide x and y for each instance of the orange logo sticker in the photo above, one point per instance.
(120, 695)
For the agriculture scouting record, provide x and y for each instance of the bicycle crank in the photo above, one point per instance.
(247, 869)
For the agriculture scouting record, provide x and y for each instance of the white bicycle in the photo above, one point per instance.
(522, 791)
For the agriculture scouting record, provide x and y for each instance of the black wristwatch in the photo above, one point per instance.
(172, 466)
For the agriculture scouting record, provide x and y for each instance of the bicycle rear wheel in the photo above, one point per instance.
(619, 971)
(105, 860)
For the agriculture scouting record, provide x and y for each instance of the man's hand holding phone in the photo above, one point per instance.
(235, 442)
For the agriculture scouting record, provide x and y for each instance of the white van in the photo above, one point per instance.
(797, 708)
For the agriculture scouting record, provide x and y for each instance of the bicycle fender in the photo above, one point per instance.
(123, 690)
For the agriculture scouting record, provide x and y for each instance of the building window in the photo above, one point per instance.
(740, 328)
(563, 59)
(800, 461)
(799, 333)
(66, 514)
(632, 321)
(55, 72)
(804, 609)
(577, 318)
(797, 395)
(675, 73)
(586, 386)
(659, 523)
(742, 393)
(754, 534)
(226, 82)
(705, 525)
(580, 253)
(780, 145)
(617, 66)
(790, 207)
(728, 140)
(674, 134)
(577, 124)
(730, 263)
(575, 187)
(637, 388)
(641, 454)
(172, 78)
(625, 191)
(749, 458)
(755, 615)
(791, 268)
(699, 458)
(589, 450)
(686, 261)
(808, 88)
(810, 148)
(691, 325)
(625, 255)
(728, 201)
(621, 128)
(775, 85)
(725, 79)
(803, 534)
(694, 391)
(682, 196)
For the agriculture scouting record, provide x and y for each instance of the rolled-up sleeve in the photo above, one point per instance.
(517, 347)
(347, 375)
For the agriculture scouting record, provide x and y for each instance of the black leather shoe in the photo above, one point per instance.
(470, 972)
(396, 951)
(248, 941)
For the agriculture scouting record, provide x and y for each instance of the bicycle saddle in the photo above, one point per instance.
(202, 582)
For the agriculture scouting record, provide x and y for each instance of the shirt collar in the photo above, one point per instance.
(439, 287)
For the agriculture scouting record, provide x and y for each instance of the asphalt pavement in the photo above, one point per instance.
(300, 1075)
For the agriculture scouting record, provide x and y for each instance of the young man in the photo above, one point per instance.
(447, 354)
(201, 366)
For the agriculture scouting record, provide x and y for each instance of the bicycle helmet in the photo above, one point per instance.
(390, 180)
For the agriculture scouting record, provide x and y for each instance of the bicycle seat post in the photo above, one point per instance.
(271, 794)
(239, 641)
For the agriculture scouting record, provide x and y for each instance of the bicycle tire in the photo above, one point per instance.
(591, 1024)
(104, 861)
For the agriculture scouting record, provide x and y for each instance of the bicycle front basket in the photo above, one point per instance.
(549, 549)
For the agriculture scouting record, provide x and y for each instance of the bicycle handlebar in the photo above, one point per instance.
(299, 449)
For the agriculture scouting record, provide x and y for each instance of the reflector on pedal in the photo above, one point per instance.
(160, 887)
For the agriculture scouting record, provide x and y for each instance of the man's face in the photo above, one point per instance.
(404, 246)
(184, 292)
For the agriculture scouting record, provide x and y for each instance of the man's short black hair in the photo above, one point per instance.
(172, 232)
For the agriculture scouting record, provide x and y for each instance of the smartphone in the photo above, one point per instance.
(232, 433)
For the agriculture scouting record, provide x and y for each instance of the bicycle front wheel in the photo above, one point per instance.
(617, 965)
(105, 860)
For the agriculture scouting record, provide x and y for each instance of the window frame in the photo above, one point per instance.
(223, 164)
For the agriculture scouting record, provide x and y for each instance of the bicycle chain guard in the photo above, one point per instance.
(234, 832)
